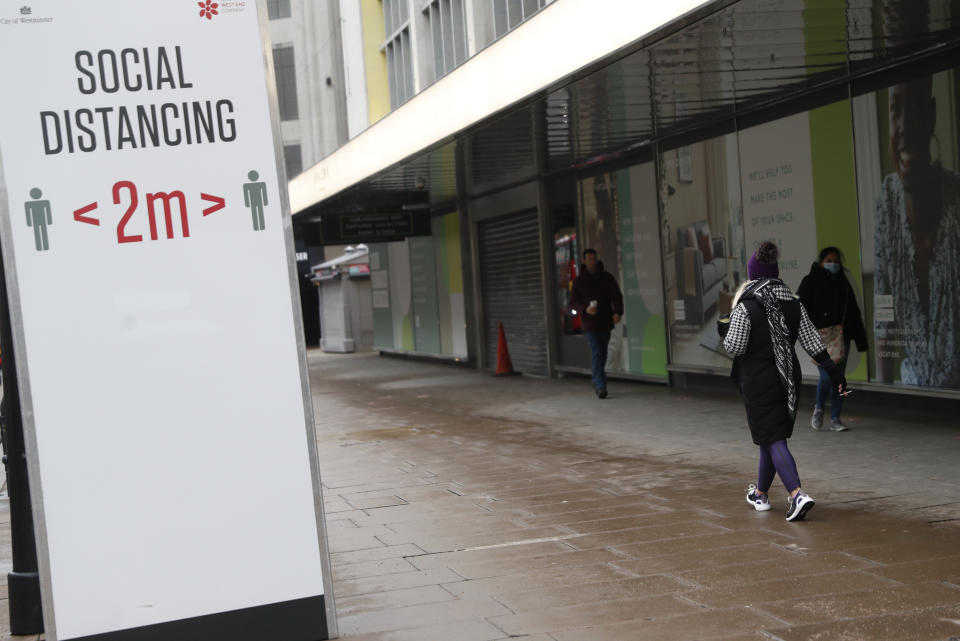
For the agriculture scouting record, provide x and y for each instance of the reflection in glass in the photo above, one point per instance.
(700, 205)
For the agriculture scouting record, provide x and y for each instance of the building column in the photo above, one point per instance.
(472, 312)
(547, 250)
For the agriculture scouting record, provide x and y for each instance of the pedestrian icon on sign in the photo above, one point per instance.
(38, 217)
(255, 197)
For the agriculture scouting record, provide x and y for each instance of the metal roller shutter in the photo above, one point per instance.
(512, 289)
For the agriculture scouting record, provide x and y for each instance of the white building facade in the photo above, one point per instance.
(308, 67)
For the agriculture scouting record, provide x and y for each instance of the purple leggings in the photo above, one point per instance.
(776, 458)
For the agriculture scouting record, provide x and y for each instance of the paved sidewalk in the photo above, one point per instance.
(463, 507)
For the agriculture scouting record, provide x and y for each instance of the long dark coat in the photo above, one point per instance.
(764, 394)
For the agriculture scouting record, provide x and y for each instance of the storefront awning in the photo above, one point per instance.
(531, 58)
(660, 74)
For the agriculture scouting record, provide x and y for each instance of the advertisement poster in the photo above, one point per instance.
(778, 196)
(148, 255)
(642, 285)
(446, 238)
(704, 258)
(423, 285)
(800, 194)
(907, 166)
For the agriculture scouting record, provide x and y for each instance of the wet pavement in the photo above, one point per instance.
(464, 507)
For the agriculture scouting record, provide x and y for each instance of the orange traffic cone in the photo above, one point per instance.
(504, 365)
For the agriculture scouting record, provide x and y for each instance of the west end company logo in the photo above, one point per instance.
(208, 9)
(25, 11)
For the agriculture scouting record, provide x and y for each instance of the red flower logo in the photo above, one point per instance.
(208, 9)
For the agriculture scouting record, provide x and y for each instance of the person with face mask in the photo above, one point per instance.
(830, 301)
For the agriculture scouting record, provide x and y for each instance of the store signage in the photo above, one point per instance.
(146, 244)
(374, 227)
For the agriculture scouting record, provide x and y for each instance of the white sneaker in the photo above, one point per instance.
(800, 504)
(760, 502)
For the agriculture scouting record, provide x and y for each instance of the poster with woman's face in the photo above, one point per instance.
(907, 167)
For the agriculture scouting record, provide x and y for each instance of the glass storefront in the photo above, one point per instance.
(877, 176)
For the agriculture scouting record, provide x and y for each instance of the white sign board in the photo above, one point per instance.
(148, 254)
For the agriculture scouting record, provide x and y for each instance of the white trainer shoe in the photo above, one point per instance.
(760, 502)
(800, 504)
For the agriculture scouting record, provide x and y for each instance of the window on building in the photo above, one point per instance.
(449, 34)
(397, 48)
(277, 9)
(396, 15)
(286, 75)
(508, 14)
(292, 160)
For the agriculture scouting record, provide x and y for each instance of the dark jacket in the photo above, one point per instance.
(829, 300)
(756, 374)
(601, 287)
(764, 395)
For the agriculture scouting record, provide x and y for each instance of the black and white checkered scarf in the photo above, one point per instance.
(780, 337)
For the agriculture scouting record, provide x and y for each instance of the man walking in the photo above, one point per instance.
(597, 298)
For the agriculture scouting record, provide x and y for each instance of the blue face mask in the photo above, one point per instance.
(833, 268)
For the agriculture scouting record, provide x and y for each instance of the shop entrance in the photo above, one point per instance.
(511, 281)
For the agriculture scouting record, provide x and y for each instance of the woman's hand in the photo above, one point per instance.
(723, 325)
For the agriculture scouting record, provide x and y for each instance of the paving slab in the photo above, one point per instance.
(347, 587)
(381, 601)
(407, 551)
(699, 624)
(572, 617)
(925, 624)
(387, 619)
(804, 610)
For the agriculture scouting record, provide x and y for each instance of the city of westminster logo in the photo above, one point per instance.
(25, 10)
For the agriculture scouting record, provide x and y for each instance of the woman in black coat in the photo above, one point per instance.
(830, 301)
(766, 322)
